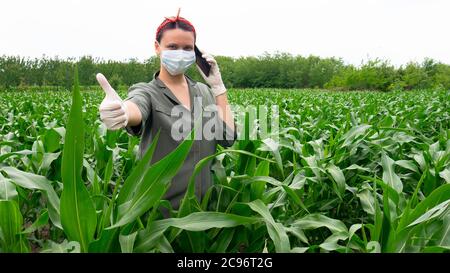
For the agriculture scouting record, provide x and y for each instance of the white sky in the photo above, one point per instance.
(399, 30)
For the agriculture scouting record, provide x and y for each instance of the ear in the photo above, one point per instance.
(157, 48)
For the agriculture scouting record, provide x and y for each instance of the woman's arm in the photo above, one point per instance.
(134, 114)
(115, 112)
(214, 79)
(225, 110)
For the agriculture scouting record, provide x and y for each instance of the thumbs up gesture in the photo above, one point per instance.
(113, 112)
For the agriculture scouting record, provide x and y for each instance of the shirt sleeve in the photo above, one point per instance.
(139, 94)
(229, 136)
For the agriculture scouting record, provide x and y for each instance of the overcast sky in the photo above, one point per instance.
(355, 30)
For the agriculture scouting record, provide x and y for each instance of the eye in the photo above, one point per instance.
(172, 46)
(188, 48)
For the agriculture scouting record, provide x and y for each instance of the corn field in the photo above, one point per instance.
(359, 171)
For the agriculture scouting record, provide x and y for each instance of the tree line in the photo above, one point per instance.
(280, 70)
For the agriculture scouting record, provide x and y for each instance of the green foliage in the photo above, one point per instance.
(21, 72)
(279, 70)
(351, 172)
(78, 216)
(373, 75)
(380, 75)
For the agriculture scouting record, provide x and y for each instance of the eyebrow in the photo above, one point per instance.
(175, 44)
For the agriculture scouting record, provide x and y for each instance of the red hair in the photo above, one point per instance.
(175, 19)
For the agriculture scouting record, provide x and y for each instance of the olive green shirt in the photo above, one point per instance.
(156, 102)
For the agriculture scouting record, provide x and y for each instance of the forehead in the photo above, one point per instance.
(178, 36)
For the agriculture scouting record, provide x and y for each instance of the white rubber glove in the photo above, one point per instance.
(113, 112)
(215, 78)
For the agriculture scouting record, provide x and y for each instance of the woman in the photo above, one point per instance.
(150, 107)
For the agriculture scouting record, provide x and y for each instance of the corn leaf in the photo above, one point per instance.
(78, 216)
(276, 230)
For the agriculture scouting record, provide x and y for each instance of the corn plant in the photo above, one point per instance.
(351, 172)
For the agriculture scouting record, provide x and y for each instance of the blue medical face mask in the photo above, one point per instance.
(177, 61)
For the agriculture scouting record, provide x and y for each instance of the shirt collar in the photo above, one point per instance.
(160, 83)
(166, 91)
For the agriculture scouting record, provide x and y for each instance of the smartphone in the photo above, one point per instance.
(202, 63)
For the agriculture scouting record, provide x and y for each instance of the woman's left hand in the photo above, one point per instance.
(215, 78)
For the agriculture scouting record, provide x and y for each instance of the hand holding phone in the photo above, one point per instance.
(208, 65)
(201, 62)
